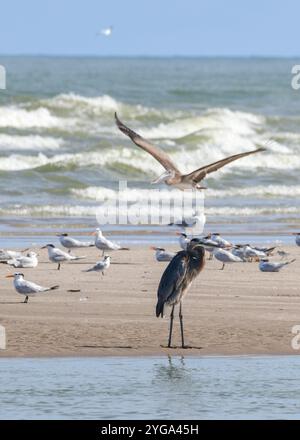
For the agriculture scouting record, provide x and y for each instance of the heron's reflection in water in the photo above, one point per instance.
(172, 370)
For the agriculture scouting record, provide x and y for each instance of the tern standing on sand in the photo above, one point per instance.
(28, 288)
(172, 176)
(58, 256)
(162, 255)
(72, 243)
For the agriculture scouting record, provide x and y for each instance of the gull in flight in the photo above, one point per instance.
(30, 260)
(172, 176)
(28, 288)
(58, 256)
(267, 266)
(162, 255)
(103, 244)
(101, 266)
(72, 243)
(106, 32)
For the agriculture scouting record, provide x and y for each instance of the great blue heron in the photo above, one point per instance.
(176, 281)
(172, 175)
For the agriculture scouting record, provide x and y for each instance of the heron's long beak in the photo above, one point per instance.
(9, 276)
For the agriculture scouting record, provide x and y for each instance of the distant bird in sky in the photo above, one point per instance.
(58, 256)
(162, 255)
(28, 288)
(72, 243)
(269, 266)
(176, 281)
(101, 266)
(172, 176)
(106, 32)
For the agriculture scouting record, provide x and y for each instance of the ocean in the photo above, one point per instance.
(61, 154)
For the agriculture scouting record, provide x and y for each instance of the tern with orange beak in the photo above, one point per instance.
(172, 176)
(28, 288)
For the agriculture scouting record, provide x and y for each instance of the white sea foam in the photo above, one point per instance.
(31, 142)
(21, 118)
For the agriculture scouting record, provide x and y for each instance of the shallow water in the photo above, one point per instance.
(150, 388)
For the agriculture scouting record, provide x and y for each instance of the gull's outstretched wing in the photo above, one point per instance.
(200, 174)
(157, 153)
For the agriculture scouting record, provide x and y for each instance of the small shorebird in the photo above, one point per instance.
(176, 281)
(162, 255)
(28, 288)
(101, 266)
(172, 176)
(297, 239)
(269, 266)
(183, 240)
(103, 244)
(72, 243)
(282, 253)
(30, 260)
(58, 256)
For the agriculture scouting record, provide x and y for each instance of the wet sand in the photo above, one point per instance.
(236, 311)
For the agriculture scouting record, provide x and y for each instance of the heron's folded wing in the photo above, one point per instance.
(156, 152)
(200, 174)
(173, 276)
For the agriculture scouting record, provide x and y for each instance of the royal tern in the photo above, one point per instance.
(72, 243)
(30, 260)
(176, 281)
(172, 175)
(101, 266)
(216, 237)
(162, 255)
(269, 266)
(104, 244)
(58, 256)
(226, 257)
(28, 288)
(183, 240)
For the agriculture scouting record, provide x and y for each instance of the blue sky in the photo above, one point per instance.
(152, 27)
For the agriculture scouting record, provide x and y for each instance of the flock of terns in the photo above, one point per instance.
(184, 266)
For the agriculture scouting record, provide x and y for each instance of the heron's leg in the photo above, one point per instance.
(171, 326)
(181, 325)
(69, 251)
(222, 268)
(58, 267)
(211, 256)
(26, 300)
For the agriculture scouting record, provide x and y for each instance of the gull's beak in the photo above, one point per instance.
(9, 276)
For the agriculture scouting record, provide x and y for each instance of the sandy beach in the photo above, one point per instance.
(236, 311)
